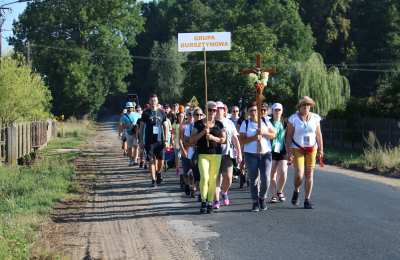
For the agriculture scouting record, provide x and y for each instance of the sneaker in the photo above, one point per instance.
(153, 183)
(281, 197)
(203, 208)
(130, 162)
(274, 199)
(159, 177)
(209, 208)
(256, 207)
(263, 205)
(141, 164)
(187, 190)
(135, 164)
(307, 204)
(145, 166)
(216, 205)
(295, 198)
(225, 199)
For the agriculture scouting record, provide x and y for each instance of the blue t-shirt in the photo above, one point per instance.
(130, 119)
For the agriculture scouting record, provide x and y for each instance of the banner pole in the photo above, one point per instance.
(206, 88)
(205, 82)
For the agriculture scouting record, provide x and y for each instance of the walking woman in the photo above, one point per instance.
(279, 159)
(258, 159)
(303, 142)
(177, 128)
(208, 137)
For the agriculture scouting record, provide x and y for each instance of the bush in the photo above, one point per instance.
(384, 159)
(24, 95)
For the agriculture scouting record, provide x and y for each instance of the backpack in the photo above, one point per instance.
(130, 130)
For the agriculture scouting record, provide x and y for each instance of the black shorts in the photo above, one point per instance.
(278, 156)
(155, 151)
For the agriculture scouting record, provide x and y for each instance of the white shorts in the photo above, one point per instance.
(131, 140)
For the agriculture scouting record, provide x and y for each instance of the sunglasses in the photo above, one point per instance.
(235, 111)
(278, 109)
(212, 110)
(198, 114)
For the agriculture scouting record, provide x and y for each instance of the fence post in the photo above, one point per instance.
(12, 145)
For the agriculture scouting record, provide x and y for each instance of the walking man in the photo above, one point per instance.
(153, 131)
(129, 124)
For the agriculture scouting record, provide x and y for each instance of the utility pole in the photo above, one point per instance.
(3, 8)
(2, 20)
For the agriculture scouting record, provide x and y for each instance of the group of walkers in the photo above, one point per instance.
(210, 148)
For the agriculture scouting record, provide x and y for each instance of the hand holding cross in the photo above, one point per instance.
(261, 75)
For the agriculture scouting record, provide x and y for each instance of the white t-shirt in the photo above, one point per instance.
(252, 131)
(188, 133)
(230, 130)
(305, 133)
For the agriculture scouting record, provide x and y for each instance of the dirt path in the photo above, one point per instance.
(121, 217)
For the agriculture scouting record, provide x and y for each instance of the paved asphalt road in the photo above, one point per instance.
(352, 219)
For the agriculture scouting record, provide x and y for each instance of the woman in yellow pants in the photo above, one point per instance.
(208, 137)
(303, 143)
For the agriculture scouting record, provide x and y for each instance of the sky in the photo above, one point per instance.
(16, 10)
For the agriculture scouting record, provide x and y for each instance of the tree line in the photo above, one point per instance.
(86, 51)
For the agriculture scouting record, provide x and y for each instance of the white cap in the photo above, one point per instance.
(220, 104)
(129, 104)
(277, 106)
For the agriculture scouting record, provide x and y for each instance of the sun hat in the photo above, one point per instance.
(305, 100)
(277, 106)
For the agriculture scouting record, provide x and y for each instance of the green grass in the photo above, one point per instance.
(376, 158)
(343, 158)
(27, 194)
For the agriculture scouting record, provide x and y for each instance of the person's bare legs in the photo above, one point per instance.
(309, 181)
(152, 168)
(282, 175)
(272, 185)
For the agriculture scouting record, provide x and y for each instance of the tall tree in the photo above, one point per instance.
(327, 87)
(331, 24)
(166, 71)
(81, 48)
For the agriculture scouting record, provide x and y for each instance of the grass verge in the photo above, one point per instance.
(375, 158)
(27, 193)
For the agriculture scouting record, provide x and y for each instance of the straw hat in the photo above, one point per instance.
(305, 100)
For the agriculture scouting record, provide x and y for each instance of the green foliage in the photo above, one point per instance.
(270, 27)
(27, 194)
(81, 47)
(388, 95)
(381, 158)
(24, 95)
(327, 87)
(166, 71)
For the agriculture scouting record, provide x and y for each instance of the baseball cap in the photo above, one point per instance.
(277, 106)
(220, 104)
(130, 104)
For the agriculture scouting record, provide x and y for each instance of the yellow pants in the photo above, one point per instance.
(303, 160)
(209, 168)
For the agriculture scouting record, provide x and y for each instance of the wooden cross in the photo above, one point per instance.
(261, 75)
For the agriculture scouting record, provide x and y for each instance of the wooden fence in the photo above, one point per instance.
(20, 139)
(351, 134)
